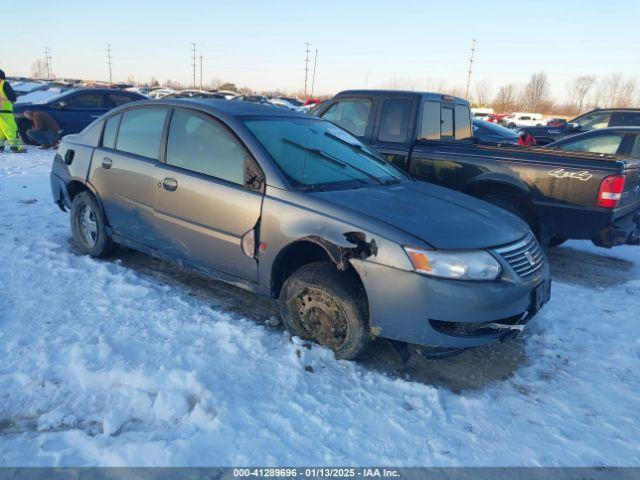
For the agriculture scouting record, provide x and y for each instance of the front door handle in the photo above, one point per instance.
(169, 184)
(106, 163)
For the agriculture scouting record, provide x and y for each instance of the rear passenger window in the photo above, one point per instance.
(430, 124)
(395, 120)
(110, 131)
(446, 123)
(463, 122)
(117, 99)
(202, 145)
(352, 115)
(141, 131)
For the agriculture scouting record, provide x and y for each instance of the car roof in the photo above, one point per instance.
(404, 93)
(234, 108)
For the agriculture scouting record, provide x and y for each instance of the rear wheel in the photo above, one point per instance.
(89, 227)
(322, 304)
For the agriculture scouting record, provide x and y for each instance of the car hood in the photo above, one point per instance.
(443, 218)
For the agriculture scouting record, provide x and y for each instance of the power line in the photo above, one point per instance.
(473, 50)
(193, 64)
(109, 63)
(306, 67)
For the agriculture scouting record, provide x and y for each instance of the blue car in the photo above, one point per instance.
(74, 109)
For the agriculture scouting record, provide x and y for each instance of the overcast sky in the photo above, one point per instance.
(260, 44)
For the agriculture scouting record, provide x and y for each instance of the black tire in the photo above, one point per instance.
(516, 206)
(556, 241)
(89, 227)
(321, 304)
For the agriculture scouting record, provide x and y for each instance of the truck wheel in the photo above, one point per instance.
(319, 303)
(515, 206)
(89, 228)
(556, 241)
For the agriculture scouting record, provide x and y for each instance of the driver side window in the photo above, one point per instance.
(595, 120)
(607, 144)
(352, 115)
(85, 100)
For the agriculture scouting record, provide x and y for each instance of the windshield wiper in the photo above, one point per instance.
(361, 149)
(331, 159)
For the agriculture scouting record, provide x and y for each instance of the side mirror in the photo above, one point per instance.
(572, 126)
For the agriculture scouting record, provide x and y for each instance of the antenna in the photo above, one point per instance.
(473, 50)
(109, 63)
(306, 67)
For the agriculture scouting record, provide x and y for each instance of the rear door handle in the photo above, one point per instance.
(169, 184)
(106, 163)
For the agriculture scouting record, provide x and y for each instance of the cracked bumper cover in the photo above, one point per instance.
(419, 309)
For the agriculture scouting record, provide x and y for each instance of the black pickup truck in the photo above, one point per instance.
(561, 195)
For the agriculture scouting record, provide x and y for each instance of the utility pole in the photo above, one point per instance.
(473, 50)
(193, 64)
(200, 72)
(109, 63)
(47, 60)
(306, 67)
(313, 78)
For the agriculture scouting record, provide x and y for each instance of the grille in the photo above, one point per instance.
(525, 257)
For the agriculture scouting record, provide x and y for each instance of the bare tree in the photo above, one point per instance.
(506, 98)
(616, 91)
(482, 93)
(579, 89)
(39, 69)
(535, 92)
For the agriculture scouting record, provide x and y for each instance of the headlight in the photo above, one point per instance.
(478, 265)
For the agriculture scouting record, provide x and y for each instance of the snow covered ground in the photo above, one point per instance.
(102, 364)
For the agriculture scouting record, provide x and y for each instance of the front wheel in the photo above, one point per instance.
(89, 227)
(321, 304)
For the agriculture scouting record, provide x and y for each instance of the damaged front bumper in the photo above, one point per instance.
(447, 314)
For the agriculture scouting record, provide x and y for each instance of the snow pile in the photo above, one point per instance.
(102, 365)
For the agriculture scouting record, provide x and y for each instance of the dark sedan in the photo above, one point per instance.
(606, 141)
(75, 108)
(487, 133)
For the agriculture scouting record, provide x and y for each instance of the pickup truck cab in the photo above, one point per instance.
(560, 194)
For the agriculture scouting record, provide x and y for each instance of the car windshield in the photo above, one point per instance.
(317, 155)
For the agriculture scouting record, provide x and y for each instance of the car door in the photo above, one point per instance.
(123, 169)
(78, 110)
(205, 203)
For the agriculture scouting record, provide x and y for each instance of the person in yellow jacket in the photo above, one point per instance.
(8, 127)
